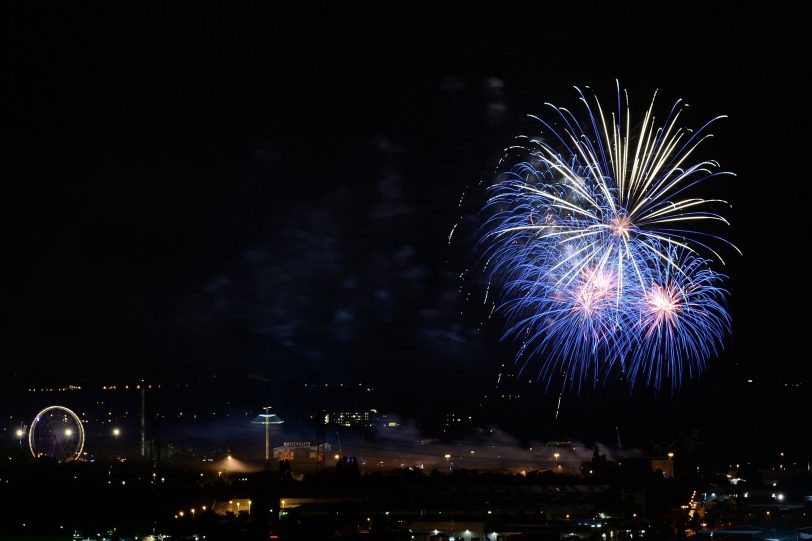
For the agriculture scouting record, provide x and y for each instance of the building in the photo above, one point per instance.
(301, 451)
(752, 532)
(444, 530)
(350, 418)
(664, 465)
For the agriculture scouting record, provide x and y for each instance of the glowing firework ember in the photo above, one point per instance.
(595, 239)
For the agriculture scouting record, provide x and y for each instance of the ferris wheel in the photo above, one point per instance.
(56, 432)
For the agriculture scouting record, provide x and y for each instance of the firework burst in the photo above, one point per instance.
(600, 248)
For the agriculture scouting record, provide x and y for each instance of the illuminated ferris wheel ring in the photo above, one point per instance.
(56, 432)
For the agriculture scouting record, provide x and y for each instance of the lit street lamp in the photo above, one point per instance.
(20, 435)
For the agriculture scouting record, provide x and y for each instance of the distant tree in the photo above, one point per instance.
(284, 470)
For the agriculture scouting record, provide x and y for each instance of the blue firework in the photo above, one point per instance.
(598, 245)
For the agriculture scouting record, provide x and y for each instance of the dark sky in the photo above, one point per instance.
(270, 190)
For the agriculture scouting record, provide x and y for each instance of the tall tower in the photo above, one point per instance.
(267, 436)
(143, 419)
(267, 419)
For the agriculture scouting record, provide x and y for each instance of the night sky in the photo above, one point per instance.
(270, 191)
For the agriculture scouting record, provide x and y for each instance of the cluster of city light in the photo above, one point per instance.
(692, 505)
(595, 242)
(192, 511)
(231, 504)
(127, 387)
(54, 389)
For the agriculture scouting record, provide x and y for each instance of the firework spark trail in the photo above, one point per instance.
(594, 241)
